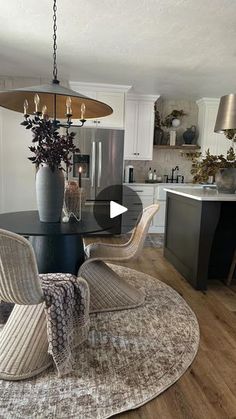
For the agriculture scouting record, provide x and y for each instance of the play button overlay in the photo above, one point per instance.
(117, 209)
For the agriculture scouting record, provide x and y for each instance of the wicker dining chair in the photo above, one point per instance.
(108, 291)
(23, 340)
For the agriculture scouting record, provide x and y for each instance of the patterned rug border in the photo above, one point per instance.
(184, 361)
(184, 370)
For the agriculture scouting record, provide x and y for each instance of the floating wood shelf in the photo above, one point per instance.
(178, 147)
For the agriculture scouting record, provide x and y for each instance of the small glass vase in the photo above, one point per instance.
(74, 200)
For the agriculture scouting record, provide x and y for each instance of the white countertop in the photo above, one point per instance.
(171, 185)
(201, 194)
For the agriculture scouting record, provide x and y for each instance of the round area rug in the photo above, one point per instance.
(130, 358)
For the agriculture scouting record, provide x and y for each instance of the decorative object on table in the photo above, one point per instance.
(74, 199)
(51, 150)
(189, 135)
(172, 138)
(223, 170)
(226, 117)
(148, 349)
(158, 131)
(58, 102)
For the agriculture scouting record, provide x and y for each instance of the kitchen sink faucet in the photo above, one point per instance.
(172, 178)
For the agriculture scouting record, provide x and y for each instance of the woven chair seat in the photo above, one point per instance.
(108, 291)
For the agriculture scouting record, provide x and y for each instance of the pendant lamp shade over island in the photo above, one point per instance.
(226, 117)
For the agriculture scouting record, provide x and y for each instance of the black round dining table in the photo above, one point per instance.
(58, 246)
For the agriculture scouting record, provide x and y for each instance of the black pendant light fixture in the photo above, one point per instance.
(53, 100)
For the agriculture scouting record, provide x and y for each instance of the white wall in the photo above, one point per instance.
(17, 173)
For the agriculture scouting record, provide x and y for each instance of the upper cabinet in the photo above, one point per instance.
(217, 143)
(112, 95)
(139, 127)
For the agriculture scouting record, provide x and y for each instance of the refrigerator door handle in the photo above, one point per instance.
(93, 164)
(99, 163)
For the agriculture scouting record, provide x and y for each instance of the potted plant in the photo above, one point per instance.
(51, 150)
(221, 168)
(158, 131)
(173, 119)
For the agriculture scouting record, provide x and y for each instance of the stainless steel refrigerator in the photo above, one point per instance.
(100, 159)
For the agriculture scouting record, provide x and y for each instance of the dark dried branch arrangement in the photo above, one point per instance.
(51, 148)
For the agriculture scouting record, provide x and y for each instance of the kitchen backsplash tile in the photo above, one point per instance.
(163, 161)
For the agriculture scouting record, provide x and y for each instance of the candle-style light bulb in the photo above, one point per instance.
(44, 111)
(26, 106)
(80, 175)
(83, 109)
(68, 106)
(36, 102)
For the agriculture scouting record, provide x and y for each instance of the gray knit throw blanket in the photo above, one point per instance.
(67, 316)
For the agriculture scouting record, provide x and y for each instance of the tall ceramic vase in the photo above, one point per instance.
(49, 193)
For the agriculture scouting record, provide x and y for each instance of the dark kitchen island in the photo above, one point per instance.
(200, 233)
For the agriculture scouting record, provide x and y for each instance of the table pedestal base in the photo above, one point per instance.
(58, 253)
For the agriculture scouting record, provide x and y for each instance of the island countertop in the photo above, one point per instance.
(202, 193)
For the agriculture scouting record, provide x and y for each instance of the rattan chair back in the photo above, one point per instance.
(139, 234)
(19, 280)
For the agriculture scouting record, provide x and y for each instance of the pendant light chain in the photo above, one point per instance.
(52, 100)
(55, 42)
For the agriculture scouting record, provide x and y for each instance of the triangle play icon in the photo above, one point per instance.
(116, 209)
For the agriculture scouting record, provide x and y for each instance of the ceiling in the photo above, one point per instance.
(176, 48)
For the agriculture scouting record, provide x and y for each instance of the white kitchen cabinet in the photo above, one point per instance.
(158, 222)
(156, 194)
(217, 143)
(145, 194)
(112, 95)
(139, 127)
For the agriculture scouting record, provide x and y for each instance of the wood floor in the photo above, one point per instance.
(208, 389)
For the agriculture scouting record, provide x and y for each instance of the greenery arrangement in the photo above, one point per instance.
(52, 148)
(175, 114)
(167, 121)
(203, 167)
(230, 134)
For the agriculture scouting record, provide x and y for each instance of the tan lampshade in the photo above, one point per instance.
(226, 117)
(51, 95)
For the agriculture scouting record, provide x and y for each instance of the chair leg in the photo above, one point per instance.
(24, 343)
(231, 270)
(108, 291)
